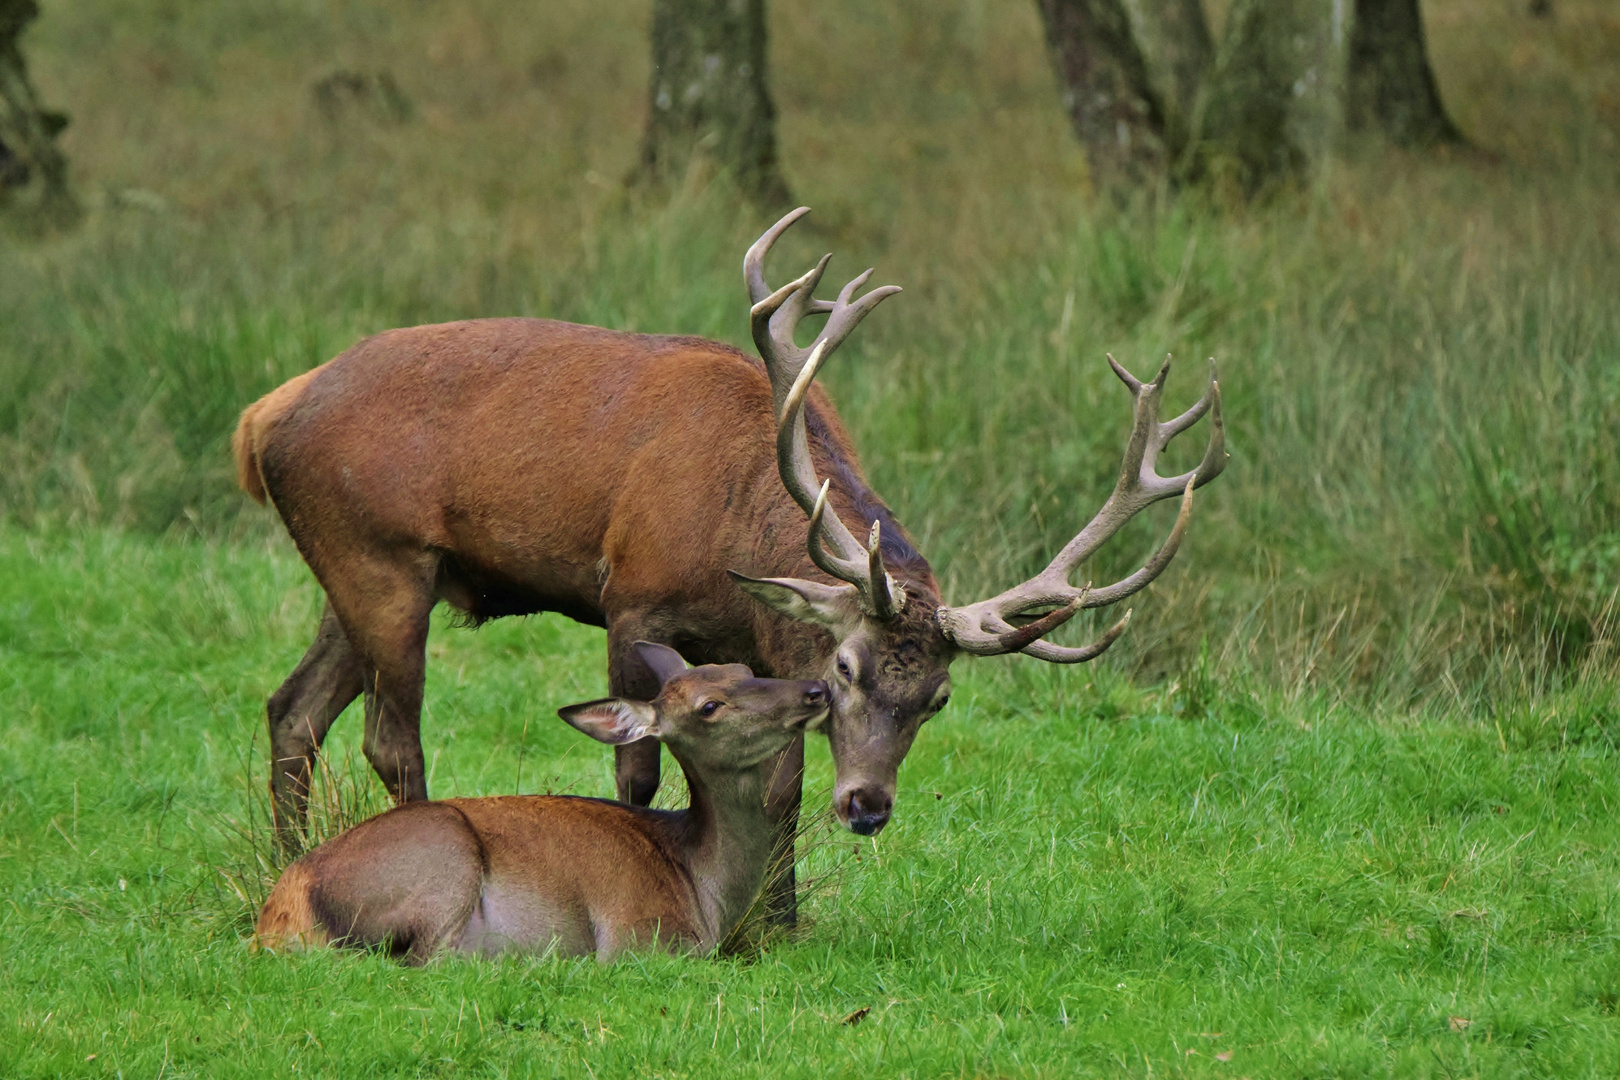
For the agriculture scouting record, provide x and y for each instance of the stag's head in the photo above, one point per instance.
(888, 674)
(895, 641)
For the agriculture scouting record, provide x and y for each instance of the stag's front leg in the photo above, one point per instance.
(782, 808)
(636, 767)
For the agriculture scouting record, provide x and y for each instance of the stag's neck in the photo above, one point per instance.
(726, 845)
(774, 543)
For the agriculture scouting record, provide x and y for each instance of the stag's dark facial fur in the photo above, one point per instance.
(887, 678)
(898, 678)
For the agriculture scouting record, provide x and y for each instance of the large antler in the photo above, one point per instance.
(774, 318)
(988, 627)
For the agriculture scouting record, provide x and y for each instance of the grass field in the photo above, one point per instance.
(1339, 804)
(1079, 879)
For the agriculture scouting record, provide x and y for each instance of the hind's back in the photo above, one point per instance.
(514, 873)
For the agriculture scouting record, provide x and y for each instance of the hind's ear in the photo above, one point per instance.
(663, 661)
(614, 721)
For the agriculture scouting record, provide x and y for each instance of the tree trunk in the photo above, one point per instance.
(1117, 112)
(1392, 88)
(1274, 103)
(1293, 76)
(709, 102)
(28, 132)
(1174, 40)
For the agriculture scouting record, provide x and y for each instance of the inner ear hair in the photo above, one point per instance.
(615, 721)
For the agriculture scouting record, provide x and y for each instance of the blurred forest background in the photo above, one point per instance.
(1419, 348)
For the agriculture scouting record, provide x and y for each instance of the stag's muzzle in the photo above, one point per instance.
(864, 808)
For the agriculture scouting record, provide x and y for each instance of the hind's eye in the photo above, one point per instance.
(708, 709)
(942, 702)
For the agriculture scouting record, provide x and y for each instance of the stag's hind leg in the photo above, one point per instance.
(384, 604)
(300, 713)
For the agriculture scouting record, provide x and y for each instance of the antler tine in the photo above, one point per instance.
(856, 282)
(832, 565)
(1028, 634)
(754, 260)
(773, 318)
(985, 627)
(888, 596)
(1215, 455)
(1131, 381)
(1172, 428)
(775, 315)
(846, 315)
(793, 462)
(1214, 459)
(1058, 654)
(1155, 565)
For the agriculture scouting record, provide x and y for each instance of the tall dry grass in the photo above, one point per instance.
(1419, 355)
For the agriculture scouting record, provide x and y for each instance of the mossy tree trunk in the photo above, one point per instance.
(1174, 40)
(709, 103)
(1293, 76)
(1273, 105)
(27, 131)
(1392, 88)
(1104, 52)
(1148, 94)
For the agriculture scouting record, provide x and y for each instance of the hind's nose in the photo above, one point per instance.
(816, 695)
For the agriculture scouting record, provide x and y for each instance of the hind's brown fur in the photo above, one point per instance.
(287, 922)
(572, 875)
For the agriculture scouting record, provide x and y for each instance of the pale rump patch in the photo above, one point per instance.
(512, 920)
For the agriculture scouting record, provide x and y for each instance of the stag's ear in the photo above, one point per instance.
(614, 721)
(836, 607)
(663, 661)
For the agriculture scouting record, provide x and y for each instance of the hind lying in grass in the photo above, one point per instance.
(572, 875)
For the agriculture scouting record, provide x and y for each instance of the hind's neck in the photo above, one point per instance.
(726, 845)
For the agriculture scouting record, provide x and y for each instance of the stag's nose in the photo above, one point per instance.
(868, 811)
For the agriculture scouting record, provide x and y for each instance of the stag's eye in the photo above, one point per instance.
(942, 702)
(708, 709)
(843, 670)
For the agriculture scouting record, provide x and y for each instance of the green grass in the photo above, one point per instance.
(1420, 356)
(1081, 877)
(1350, 775)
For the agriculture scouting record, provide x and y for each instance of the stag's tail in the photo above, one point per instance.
(248, 442)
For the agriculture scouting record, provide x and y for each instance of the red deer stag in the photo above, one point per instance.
(570, 875)
(511, 466)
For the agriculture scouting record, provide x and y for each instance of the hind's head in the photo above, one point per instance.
(716, 719)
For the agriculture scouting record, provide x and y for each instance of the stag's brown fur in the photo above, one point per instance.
(510, 466)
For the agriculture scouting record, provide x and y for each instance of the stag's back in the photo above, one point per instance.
(507, 445)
